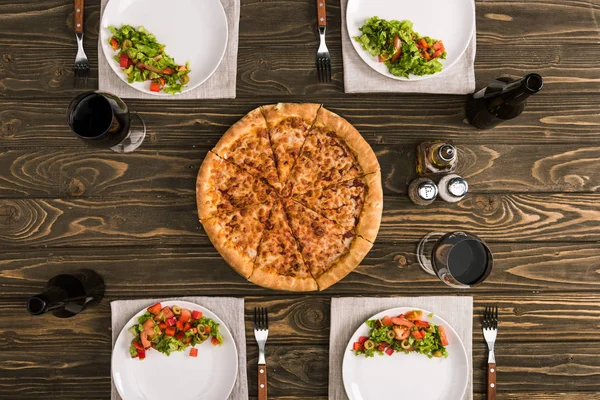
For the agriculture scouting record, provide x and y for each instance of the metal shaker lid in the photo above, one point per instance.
(447, 152)
(457, 187)
(427, 190)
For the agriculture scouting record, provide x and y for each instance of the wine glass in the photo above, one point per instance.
(459, 259)
(103, 120)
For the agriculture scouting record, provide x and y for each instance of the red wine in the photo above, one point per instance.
(502, 100)
(462, 258)
(468, 261)
(101, 118)
(68, 294)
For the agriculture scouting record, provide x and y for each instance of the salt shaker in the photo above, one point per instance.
(452, 188)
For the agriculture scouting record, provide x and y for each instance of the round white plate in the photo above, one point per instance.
(431, 379)
(192, 30)
(451, 21)
(210, 376)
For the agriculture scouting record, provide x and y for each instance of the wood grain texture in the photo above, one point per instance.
(534, 197)
(154, 221)
(386, 120)
(90, 173)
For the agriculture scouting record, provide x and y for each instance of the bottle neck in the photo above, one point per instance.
(53, 298)
(517, 92)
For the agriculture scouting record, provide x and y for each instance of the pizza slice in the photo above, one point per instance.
(288, 124)
(355, 204)
(222, 186)
(236, 235)
(334, 152)
(279, 264)
(247, 144)
(330, 250)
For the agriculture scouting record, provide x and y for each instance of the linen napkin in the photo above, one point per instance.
(229, 309)
(360, 78)
(221, 85)
(348, 313)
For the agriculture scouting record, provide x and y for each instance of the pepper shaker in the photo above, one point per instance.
(422, 191)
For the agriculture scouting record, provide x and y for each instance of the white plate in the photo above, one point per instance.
(210, 376)
(381, 376)
(192, 30)
(451, 21)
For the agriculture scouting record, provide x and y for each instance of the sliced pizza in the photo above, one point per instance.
(247, 144)
(355, 204)
(330, 250)
(222, 186)
(237, 234)
(288, 128)
(334, 152)
(279, 264)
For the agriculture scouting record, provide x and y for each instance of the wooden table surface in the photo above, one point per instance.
(535, 198)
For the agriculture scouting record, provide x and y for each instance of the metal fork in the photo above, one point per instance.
(490, 331)
(82, 66)
(261, 332)
(323, 57)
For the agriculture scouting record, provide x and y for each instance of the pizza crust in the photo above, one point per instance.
(331, 122)
(251, 120)
(241, 264)
(203, 188)
(280, 282)
(370, 216)
(346, 264)
(275, 113)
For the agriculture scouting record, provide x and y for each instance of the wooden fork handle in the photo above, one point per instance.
(491, 389)
(321, 13)
(262, 382)
(78, 16)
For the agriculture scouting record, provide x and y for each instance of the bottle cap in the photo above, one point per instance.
(447, 152)
(457, 187)
(427, 190)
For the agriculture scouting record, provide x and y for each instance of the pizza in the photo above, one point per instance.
(291, 197)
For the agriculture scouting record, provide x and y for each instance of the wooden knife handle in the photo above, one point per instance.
(321, 14)
(491, 382)
(78, 16)
(262, 382)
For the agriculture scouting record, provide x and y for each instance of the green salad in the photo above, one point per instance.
(142, 59)
(406, 333)
(169, 329)
(403, 50)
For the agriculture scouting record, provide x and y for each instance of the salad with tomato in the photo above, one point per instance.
(169, 329)
(143, 59)
(406, 333)
(403, 50)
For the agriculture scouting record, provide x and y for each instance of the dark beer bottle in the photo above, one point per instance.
(502, 100)
(68, 294)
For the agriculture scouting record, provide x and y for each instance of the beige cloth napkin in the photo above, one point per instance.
(221, 85)
(348, 313)
(229, 309)
(360, 78)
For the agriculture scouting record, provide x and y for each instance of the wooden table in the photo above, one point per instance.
(535, 198)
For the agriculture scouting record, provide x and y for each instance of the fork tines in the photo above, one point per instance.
(81, 73)
(490, 317)
(261, 319)
(324, 69)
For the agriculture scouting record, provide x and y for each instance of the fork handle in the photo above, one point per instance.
(491, 389)
(78, 16)
(262, 382)
(321, 14)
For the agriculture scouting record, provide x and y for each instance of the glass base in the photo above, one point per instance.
(425, 250)
(135, 138)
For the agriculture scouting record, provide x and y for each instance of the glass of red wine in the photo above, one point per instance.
(459, 259)
(103, 120)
